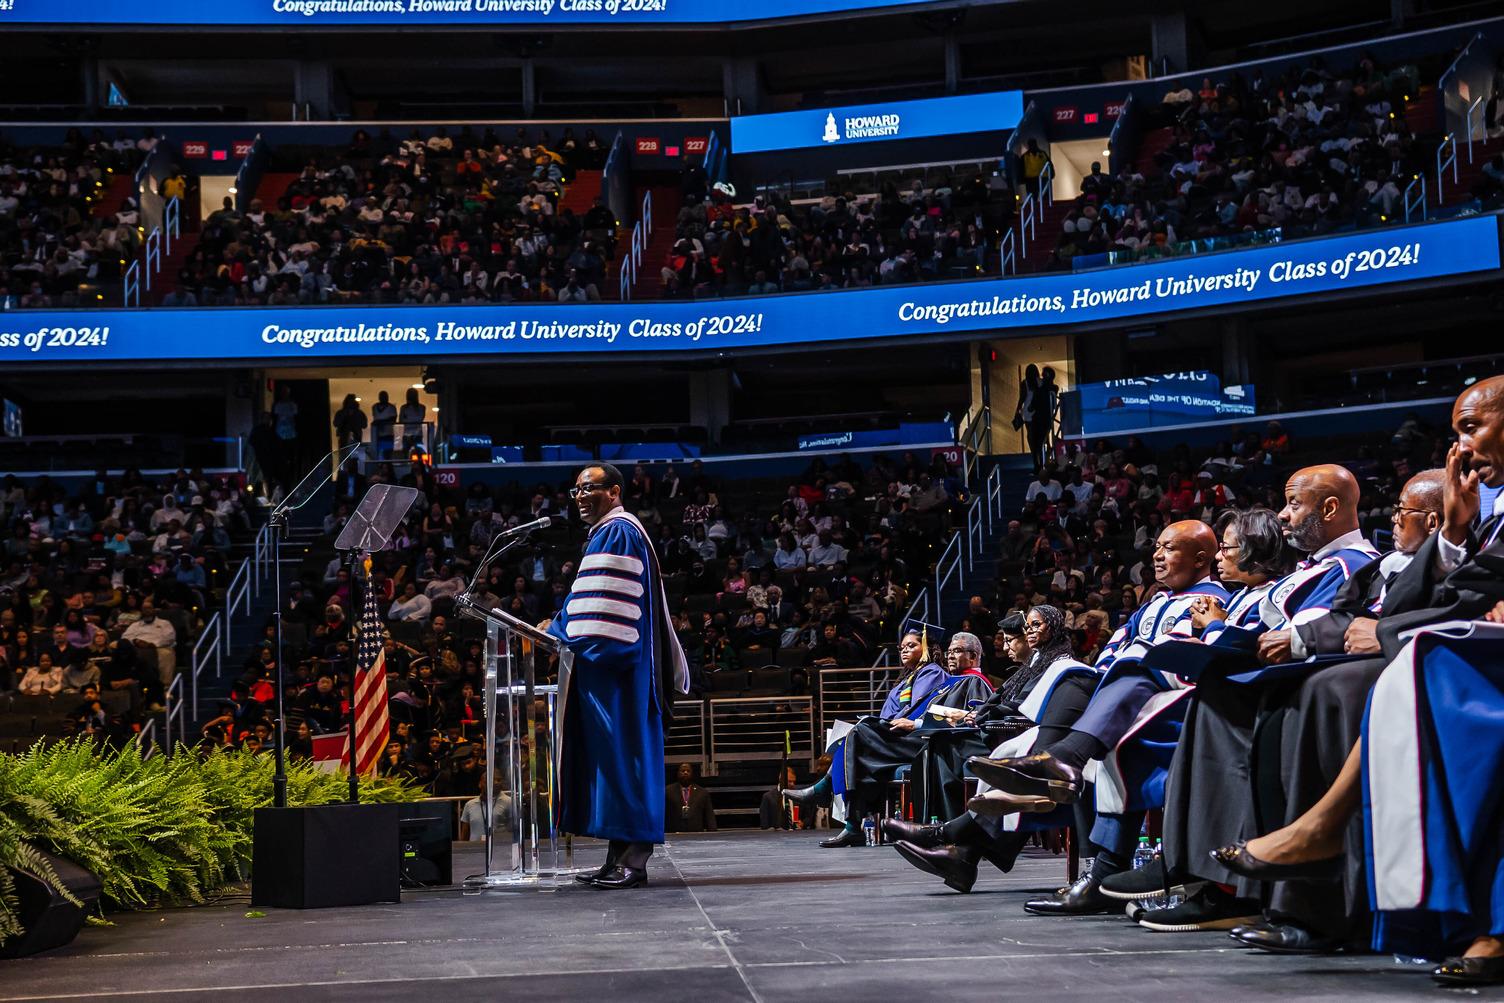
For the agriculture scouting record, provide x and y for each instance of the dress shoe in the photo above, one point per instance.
(995, 803)
(1040, 775)
(926, 836)
(622, 877)
(1237, 859)
(814, 796)
(1084, 898)
(1284, 938)
(599, 872)
(1470, 972)
(846, 837)
(956, 865)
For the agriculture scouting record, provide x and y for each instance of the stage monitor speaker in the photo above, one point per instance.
(325, 855)
(427, 845)
(51, 920)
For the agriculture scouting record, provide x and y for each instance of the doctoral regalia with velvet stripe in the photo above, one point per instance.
(620, 665)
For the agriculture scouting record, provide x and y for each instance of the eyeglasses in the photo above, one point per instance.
(1032, 626)
(586, 488)
(1400, 511)
(1225, 549)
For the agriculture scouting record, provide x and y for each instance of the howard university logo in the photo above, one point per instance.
(832, 131)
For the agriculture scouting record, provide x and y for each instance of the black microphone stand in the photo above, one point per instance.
(295, 499)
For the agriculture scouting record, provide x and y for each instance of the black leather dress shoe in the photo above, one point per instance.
(622, 877)
(1284, 938)
(810, 797)
(1040, 775)
(1470, 972)
(1237, 859)
(956, 865)
(1084, 898)
(926, 836)
(846, 837)
(599, 872)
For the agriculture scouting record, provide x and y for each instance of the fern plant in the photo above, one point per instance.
(158, 831)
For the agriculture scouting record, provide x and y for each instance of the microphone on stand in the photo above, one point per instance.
(527, 527)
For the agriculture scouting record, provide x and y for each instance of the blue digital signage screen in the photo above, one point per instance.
(449, 13)
(1351, 262)
(871, 123)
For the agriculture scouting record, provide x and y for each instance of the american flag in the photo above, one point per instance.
(371, 723)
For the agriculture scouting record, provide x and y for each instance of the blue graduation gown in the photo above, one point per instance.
(914, 693)
(1433, 806)
(611, 774)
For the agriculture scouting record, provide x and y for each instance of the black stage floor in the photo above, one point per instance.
(731, 916)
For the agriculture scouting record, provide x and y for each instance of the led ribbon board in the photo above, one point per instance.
(1364, 260)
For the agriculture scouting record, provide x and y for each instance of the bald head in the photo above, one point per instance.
(1418, 513)
(1321, 504)
(1183, 554)
(1478, 419)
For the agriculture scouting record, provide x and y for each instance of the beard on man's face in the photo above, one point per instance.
(1305, 536)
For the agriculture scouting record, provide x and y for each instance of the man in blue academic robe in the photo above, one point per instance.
(619, 667)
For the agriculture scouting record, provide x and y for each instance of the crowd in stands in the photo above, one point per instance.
(103, 590)
(436, 218)
(51, 241)
(842, 241)
(1306, 152)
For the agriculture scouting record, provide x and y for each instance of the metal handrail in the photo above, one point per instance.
(153, 254)
(869, 688)
(647, 215)
(975, 439)
(687, 730)
(947, 567)
(1418, 203)
(1047, 186)
(132, 291)
(1481, 108)
(1442, 163)
(237, 595)
(172, 222)
(625, 292)
(1025, 223)
(261, 556)
(747, 735)
(975, 535)
(919, 611)
(213, 633)
(174, 710)
(1451, 69)
(1008, 253)
(994, 498)
(146, 739)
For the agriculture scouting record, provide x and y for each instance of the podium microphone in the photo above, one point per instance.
(526, 527)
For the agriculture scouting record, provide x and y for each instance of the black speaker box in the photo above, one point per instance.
(325, 855)
(427, 845)
(51, 920)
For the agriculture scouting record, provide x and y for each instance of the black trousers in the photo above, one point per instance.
(634, 855)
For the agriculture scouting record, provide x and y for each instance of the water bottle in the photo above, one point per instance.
(869, 830)
(1144, 854)
(934, 820)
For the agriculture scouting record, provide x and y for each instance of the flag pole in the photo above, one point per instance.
(364, 562)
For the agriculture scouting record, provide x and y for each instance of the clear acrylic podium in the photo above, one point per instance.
(540, 856)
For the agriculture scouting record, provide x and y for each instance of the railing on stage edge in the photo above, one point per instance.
(1415, 200)
(750, 729)
(847, 694)
(685, 741)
